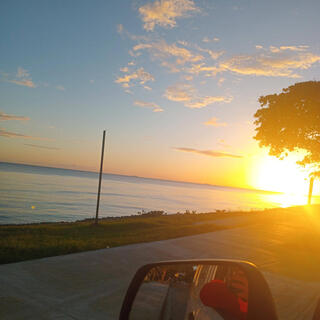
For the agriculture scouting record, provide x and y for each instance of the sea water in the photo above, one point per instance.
(39, 194)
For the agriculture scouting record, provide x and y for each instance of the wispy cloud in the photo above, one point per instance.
(26, 83)
(171, 56)
(10, 134)
(281, 61)
(4, 117)
(290, 48)
(206, 39)
(165, 12)
(210, 153)
(199, 68)
(187, 95)
(214, 54)
(215, 123)
(134, 37)
(40, 147)
(179, 56)
(22, 78)
(139, 76)
(152, 105)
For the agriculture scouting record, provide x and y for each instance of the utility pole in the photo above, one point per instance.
(100, 176)
(310, 190)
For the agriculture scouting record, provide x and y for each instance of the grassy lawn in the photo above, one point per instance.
(293, 233)
(24, 242)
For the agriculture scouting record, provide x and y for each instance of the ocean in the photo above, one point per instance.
(32, 194)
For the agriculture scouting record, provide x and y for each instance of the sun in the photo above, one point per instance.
(284, 176)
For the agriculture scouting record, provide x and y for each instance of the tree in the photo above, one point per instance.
(290, 121)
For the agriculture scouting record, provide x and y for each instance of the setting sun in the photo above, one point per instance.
(281, 175)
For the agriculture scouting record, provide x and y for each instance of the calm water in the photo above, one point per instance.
(37, 194)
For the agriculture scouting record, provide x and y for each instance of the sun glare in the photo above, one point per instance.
(287, 200)
(284, 176)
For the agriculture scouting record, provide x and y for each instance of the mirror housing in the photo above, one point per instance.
(261, 304)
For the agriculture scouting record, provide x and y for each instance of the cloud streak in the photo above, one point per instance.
(283, 61)
(280, 61)
(5, 117)
(26, 83)
(187, 95)
(151, 105)
(210, 153)
(165, 12)
(9, 134)
(40, 147)
(207, 40)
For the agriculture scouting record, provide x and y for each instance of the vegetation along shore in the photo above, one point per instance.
(32, 241)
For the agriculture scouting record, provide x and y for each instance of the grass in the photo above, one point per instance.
(293, 233)
(32, 241)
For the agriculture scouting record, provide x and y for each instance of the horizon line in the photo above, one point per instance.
(134, 176)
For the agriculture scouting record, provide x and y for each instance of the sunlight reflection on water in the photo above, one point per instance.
(287, 199)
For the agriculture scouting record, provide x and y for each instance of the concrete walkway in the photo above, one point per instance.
(91, 285)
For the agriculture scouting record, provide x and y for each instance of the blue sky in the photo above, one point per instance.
(175, 82)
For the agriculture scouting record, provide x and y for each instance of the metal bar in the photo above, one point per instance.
(100, 176)
(310, 190)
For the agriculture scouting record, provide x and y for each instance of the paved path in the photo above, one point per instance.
(91, 285)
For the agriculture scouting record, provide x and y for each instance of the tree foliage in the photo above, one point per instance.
(290, 121)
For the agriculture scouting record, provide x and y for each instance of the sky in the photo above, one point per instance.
(175, 83)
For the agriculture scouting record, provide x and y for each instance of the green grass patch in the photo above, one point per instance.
(25, 242)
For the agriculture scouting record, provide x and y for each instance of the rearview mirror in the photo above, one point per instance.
(198, 289)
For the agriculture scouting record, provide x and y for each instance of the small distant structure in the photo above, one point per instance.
(100, 177)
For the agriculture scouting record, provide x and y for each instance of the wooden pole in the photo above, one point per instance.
(100, 176)
(310, 190)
